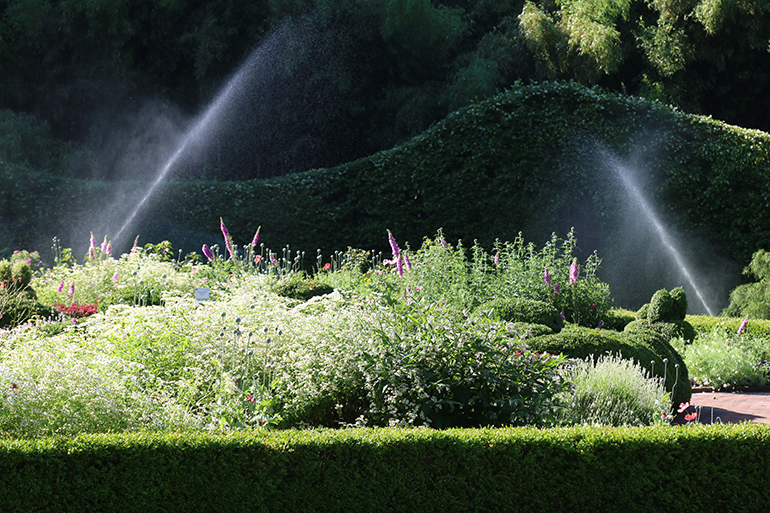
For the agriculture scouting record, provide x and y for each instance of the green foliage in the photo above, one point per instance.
(723, 360)
(753, 299)
(300, 287)
(524, 311)
(645, 347)
(618, 318)
(386, 469)
(609, 391)
(428, 369)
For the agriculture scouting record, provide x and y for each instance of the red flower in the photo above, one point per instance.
(251, 398)
(690, 416)
(683, 407)
(327, 266)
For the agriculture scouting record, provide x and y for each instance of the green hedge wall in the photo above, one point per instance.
(720, 468)
(527, 160)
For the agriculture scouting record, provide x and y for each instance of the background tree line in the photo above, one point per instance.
(340, 79)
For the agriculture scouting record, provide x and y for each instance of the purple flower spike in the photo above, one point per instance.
(546, 277)
(400, 266)
(135, 246)
(393, 245)
(115, 277)
(407, 262)
(743, 325)
(61, 287)
(93, 240)
(255, 240)
(207, 251)
(443, 243)
(573, 272)
(273, 260)
(104, 245)
(72, 289)
(496, 259)
(226, 233)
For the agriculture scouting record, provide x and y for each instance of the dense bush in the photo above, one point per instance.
(524, 311)
(610, 391)
(646, 348)
(300, 287)
(753, 299)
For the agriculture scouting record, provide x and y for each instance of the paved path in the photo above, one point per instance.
(732, 407)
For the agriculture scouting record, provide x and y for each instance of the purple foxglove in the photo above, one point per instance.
(407, 262)
(273, 260)
(208, 253)
(393, 245)
(573, 272)
(255, 240)
(400, 266)
(61, 287)
(115, 277)
(109, 249)
(104, 245)
(743, 325)
(93, 240)
(226, 233)
(546, 277)
(496, 259)
(72, 289)
(91, 253)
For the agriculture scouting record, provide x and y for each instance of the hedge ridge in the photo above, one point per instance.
(527, 160)
(710, 468)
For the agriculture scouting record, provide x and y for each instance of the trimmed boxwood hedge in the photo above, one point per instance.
(526, 160)
(711, 469)
(516, 309)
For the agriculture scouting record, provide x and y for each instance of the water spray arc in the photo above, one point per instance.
(197, 131)
(625, 175)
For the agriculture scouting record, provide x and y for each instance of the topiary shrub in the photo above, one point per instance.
(299, 287)
(527, 330)
(617, 318)
(753, 299)
(17, 299)
(515, 309)
(646, 347)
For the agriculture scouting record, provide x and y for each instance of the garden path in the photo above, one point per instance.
(731, 407)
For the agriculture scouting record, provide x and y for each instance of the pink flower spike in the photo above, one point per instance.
(573, 271)
(683, 407)
(393, 245)
(72, 289)
(407, 262)
(93, 240)
(208, 253)
(273, 260)
(496, 259)
(61, 287)
(546, 277)
(115, 277)
(743, 325)
(224, 229)
(135, 246)
(255, 240)
(104, 245)
(400, 266)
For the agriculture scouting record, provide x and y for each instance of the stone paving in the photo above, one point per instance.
(732, 407)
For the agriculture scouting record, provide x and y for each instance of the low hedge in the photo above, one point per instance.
(755, 328)
(703, 468)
